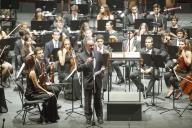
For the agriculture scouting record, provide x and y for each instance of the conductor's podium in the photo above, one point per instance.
(123, 106)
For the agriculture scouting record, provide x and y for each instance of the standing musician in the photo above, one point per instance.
(36, 91)
(89, 62)
(67, 63)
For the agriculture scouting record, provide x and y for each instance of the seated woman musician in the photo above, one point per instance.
(113, 35)
(182, 68)
(6, 68)
(67, 64)
(35, 91)
(104, 13)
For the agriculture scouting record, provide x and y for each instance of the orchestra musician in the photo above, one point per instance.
(6, 68)
(41, 69)
(100, 47)
(104, 13)
(3, 34)
(157, 17)
(180, 34)
(38, 16)
(182, 68)
(52, 44)
(67, 63)
(113, 34)
(35, 91)
(129, 19)
(89, 62)
(152, 71)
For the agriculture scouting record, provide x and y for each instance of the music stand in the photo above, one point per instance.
(102, 23)
(172, 51)
(46, 5)
(173, 30)
(9, 42)
(104, 33)
(40, 25)
(83, 8)
(138, 23)
(76, 24)
(9, 4)
(157, 41)
(116, 5)
(154, 61)
(116, 47)
(71, 75)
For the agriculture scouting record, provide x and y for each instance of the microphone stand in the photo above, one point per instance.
(3, 123)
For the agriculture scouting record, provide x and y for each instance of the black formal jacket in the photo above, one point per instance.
(88, 71)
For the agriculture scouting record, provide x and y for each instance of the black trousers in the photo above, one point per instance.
(88, 93)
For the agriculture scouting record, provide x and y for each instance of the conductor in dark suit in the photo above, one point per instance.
(154, 75)
(89, 62)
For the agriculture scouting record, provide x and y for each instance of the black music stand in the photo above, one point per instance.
(40, 25)
(115, 47)
(116, 5)
(102, 23)
(138, 22)
(157, 41)
(83, 8)
(46, 5)
(69, 113)
(172, 51)
(9, 4)
(76, 24)
(154, 61)
(9, 42)
(104, 33)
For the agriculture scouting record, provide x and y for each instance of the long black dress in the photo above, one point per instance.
(49, 111)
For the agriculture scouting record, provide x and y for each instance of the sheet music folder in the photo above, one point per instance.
(76, 24)
(102, 23)
(153, 60)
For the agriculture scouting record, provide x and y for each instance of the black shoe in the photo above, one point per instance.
(100, 120)
(120, 81)
(88, 121)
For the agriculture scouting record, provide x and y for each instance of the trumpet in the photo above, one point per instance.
(171, 9)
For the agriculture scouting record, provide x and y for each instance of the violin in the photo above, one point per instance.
(43, 76)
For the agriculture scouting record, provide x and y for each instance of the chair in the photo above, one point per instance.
(27, 105)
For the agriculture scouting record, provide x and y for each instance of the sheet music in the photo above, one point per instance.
(128, 55)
